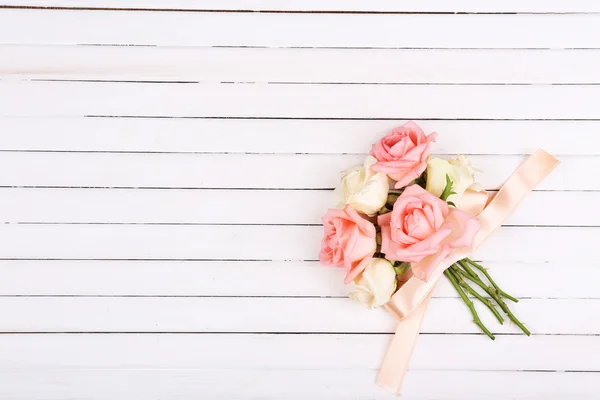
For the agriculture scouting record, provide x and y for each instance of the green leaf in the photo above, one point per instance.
(448, 190)
(401, 267)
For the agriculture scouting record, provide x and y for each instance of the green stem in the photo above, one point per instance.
(489, 278)
(469, 304)
(476, 294)
(513, 318)
(468, 269)
(494, 295)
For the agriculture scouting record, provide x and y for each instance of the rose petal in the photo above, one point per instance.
(409, 176)
(356, 269)
(464, 228)
(365, 226)
(422, 249)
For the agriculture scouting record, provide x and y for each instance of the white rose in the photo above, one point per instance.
(364, 189)
(376, 285)
(460, 171)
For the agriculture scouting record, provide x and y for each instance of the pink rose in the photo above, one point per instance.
(423, 230)
(349, 240)
(403, 153)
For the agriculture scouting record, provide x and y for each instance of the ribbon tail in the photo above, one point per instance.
(395, 364)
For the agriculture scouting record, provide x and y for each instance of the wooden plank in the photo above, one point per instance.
(141, 384)
(180, 206)
(275, 171)
(326, 30)
(296, 352)
(256, 278)
(183, 135)
(552, 6)
(62, 99)
(234, 242)
(440, 6)
(308, 65)
(297, 315)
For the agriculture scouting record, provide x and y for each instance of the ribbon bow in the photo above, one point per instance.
(409, 303)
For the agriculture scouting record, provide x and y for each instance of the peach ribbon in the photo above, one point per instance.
(410, 302)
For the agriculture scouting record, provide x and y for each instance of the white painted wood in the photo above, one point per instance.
(180, 206)
(298, 101)
(290, 30)
(552, 6)
(255, 278)
(233, 171)
(248, 315)
(294, 351)
(256, 242)
(142, 384)
(143, 225)
(300, 65)
(183, 135)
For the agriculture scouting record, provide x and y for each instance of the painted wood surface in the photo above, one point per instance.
(164, 166)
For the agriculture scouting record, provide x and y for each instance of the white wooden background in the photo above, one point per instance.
(164, 166)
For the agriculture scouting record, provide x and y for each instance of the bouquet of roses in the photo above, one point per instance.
(400, 215)
(405, 219)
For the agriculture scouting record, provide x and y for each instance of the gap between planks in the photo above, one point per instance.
(242, 10)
